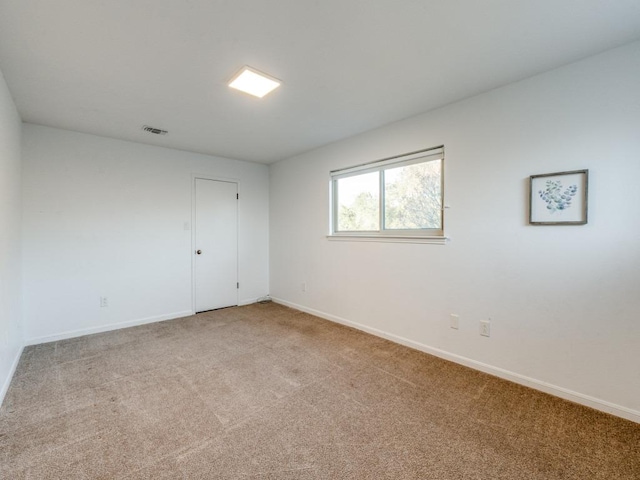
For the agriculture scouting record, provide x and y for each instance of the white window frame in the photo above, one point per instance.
(388, 235)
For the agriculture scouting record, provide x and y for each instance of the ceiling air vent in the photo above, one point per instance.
(155, 131)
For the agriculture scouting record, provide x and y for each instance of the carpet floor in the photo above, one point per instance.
(267, 392)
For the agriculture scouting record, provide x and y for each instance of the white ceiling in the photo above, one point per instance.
(108, 67)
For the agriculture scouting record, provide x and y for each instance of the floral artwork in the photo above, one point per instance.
(558, 198)
(555, 198)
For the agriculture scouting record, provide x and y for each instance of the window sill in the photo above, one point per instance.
(434, 240)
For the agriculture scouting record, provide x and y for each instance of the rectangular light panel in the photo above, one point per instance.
(254, 83)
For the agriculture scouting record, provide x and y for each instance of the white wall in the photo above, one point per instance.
(564, 301)
(10, 215)
(104, 217)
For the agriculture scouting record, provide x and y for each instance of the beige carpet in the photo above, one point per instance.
(266, 392)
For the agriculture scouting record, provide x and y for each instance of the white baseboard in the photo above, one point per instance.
(106, 328)
(582, 399)
(12, 371)
(249, 301)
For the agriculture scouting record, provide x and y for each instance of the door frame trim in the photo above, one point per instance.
(206, 176)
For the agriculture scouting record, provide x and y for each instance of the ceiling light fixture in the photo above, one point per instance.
(253, 82)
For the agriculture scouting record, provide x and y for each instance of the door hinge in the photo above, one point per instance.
(238, 285)
(237, 196)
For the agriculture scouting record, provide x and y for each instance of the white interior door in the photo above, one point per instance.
(216, 244)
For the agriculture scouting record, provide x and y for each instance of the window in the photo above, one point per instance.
(396, 197)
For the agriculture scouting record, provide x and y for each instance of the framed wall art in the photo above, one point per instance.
(559, 198)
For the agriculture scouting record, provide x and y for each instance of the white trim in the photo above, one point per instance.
(106, 328)
(12, 371)
(576, 397)
(250, 301)
(434, 240)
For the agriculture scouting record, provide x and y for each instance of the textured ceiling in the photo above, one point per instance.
(108, 67)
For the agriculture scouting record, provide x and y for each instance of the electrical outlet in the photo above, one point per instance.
(104, 302)
(485, 328)
(303, 286)
(454, 321)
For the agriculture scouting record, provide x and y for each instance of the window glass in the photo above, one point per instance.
(413, 196)
(358, 200)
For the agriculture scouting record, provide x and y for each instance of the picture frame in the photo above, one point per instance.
(559, 198)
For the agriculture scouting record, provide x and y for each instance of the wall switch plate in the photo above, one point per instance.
(485, 328)
(454, 321)
(104, 302)
(303, 286)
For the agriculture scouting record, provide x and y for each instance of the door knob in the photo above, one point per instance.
(198, 252)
